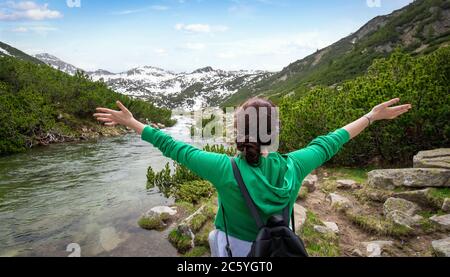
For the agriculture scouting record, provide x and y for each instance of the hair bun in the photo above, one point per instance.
(251, 152)
(245, 125)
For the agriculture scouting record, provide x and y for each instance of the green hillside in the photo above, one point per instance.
(16, 53)
(422, 81)
(418, 28)
(39, 104)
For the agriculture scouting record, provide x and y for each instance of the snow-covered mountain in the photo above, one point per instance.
(203, 87)
(200, 88)
(57, 63)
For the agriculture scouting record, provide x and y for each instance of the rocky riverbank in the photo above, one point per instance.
(82, 132)
(347, 212)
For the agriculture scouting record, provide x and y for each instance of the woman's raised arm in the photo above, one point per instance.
(324, 148)
(210, 166)
(123, 117)
(380, 112)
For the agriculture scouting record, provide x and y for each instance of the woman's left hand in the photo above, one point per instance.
(386, 111)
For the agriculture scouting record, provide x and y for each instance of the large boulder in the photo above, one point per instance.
(310, 182)
(443, 221)
(399, 204)
(421, 197)
(300, 216)
(338, 201)
(402, 212)
(437, 158)
(404, 219)
(441, 247)
(409, 177)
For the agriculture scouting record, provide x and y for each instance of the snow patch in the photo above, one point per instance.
(3, 51)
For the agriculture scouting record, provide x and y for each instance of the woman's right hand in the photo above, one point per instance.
(122, 117)
(113, 118)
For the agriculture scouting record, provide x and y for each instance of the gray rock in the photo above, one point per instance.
(327, 228)
(357, 253)
(347, 184)
(300, 216)
(441, 247)
(399, 204)
(443, 221)
(310, 182)
(164, 210)
(376, 248)
(338, 201)
(420, 197)
(156, 218)
(332, 226)
(404, 219)
(446, 205)
(322, 229)
(302, 193)
(437, 158)
(409, 177)
(402, 212)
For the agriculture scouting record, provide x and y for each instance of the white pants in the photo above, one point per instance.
(218, 242)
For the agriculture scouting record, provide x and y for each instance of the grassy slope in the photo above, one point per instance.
(18, 54)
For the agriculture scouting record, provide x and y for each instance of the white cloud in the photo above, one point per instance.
(154, 7)
(25, 5)
(196, 46)
(200, 28)
(227, 55)
(281, 45)
(20, 30)
(43, 30)
(27, 10)
(159, 8)
(269, 52)
(160, 51)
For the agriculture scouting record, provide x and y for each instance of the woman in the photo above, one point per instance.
(272, 179)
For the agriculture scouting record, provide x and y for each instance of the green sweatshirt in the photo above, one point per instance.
(273, 184)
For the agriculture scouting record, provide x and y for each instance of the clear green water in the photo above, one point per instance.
(88, 193)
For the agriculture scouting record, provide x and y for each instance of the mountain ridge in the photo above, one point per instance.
(200, 88)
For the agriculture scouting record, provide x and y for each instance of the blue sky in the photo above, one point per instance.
(183, 35)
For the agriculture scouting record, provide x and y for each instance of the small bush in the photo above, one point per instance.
(181, 242)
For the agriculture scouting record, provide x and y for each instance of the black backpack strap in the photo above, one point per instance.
(293, 219)
(227, 247)
(248, 200)
(286, 217)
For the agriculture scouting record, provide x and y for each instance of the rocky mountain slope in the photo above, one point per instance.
(418, 28)
(57, 63)
(193, 90)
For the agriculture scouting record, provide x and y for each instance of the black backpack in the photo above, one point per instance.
(275, 238)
